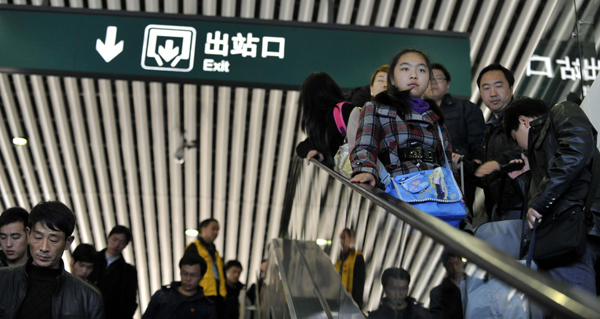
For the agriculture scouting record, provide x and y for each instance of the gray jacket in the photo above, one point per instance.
(73, 298)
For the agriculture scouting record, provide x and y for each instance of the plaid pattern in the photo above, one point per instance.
(374, 138)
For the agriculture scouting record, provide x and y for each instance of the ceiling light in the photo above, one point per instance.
(323, 242)
(20, 141)
(191, 233)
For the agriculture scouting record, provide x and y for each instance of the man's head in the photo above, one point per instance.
(346, 239)
(395, 282)
(118, 238)
(495, 84)
(518, 115)
(440, 82)
(50, 233)
(233, 270)
(13, 234)
(192, 270)
(82, 261)
(454, 265)
(379, 80)
(209, 230)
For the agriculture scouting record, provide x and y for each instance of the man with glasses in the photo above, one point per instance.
(464, 121)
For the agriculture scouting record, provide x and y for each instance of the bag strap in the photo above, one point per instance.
(339, 119)
(443, 146)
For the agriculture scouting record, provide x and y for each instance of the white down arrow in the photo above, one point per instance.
(109, 50)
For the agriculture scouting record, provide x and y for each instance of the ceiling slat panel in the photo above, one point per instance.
(50, 142)
(286, 10)
(267, 9)
(190, 7)
(283, 162)
(133, 5)
(323, 15)
(248, 9)
(484, 18)
(405, 11)
(95, 4)
(344, 13)
(69, 157)
(133, 191)
(384, 13)
(251, 173)
(148, 211)
(99, 156)
(265, 193)
(424, 15)
(175, 172)
(228, 8)
(442, 21)
(209, 7)
(365, 11)
(236, 162)
(376, 264)
(8, 196)
(171, 6)
(222, 165)
(93, 212)
(117, 172)
(361, 226)
(23, 155)
(520, 31)
(502, 23)
(306, 10)
(190, 106)
(151, 5)
(206, 143)
(161, 157)
(113, 4)
(7, 147)
(464, 16)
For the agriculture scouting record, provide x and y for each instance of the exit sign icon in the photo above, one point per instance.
(168, 48)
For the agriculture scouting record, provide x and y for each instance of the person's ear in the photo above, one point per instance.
(524, 120)
(69, 241)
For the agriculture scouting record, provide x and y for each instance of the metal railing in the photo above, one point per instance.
(559, 298)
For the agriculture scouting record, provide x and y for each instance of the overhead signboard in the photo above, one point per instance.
(108, 44)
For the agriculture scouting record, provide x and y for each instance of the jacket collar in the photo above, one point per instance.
(539, 128)
(198, 295)
(60, 279)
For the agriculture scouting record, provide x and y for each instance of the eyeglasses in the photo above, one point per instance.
(439, 79)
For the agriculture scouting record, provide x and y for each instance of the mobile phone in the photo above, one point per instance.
(510, 167)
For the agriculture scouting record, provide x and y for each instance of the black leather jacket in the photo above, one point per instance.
(497, 147)
(73, 298)
(561, 146)
(466, 125)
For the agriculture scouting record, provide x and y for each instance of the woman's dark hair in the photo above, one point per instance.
(318, 96)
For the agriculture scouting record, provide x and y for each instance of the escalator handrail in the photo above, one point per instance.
(558, 297)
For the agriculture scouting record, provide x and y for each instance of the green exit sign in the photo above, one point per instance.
(258, 53)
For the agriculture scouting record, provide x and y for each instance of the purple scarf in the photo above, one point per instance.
(418, 105)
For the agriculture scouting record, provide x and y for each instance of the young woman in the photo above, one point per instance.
(318, 97)
(399, 128)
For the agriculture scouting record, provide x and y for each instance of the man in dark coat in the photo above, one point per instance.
(183, 299)
(464, 121)
(397, 304)
(13, 237)
(115, 278)
(445, 301)
(233, 270)
(503, 199)
(560, 150)
(41, 288)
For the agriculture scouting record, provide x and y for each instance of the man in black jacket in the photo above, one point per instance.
(115, 278)
(502, 199)
(560, 145)
(41, 288)
(13, 237)
(445, 301)
(183, 299)
(464, 121)
(397, 304)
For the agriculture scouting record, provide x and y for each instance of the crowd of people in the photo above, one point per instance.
(414, 124)
(405, 121)
(101, 284)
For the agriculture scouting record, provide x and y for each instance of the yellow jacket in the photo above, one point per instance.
(348, 271)
(208, 282)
